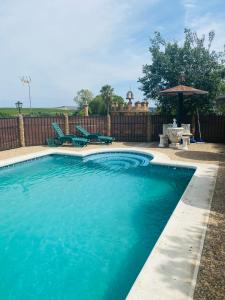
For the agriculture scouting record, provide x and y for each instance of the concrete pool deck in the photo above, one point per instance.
(209, 155)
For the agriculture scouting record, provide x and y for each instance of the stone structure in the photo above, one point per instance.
(21, 131)
(173, 134)
(127, 108)
(108, 125)
(186, 140)
(138, 107)
(164, 142)
(86, 109)
(67, 129)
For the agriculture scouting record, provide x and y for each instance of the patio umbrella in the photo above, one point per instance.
(181, 91)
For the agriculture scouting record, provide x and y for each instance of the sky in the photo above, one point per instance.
(67, 45)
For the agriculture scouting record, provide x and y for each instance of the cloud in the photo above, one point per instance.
(66, 45)
(204, 17)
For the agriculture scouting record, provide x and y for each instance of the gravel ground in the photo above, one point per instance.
(211, 277)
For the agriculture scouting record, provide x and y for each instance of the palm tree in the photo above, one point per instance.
(107, 95)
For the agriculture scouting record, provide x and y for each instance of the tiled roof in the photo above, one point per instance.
(186, 90)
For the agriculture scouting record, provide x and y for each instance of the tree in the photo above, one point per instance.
(118, 100)
(107, 96)
(97, 105)
(83, 96)
(220, 101)
(203, 68)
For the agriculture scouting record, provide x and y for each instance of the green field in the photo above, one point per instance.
(9, 112)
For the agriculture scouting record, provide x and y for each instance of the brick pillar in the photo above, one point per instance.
(143, 106)
(21, 130)
(85, 110)
(67, 128)
(108, 124)
(149, 128)
(129, 107)
(137, 106)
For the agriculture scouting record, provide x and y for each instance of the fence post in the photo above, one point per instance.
(67, 128)
(21, 131)
(108, 125)
(85, 107)
(149, 128)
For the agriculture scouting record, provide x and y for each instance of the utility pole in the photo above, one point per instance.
(26, 80)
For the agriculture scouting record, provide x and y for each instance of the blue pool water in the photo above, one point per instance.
(81, 229)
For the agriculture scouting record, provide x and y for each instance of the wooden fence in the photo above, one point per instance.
(38, 129)
(129, 128)
(156, 124)
(9, 133)
(212, 128)
(92, 124)
(133, 128)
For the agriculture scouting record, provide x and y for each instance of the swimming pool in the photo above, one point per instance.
(82, 228)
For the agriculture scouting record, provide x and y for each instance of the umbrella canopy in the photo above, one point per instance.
(184, 89)
(180, 91)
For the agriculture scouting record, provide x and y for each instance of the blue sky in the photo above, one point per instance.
(67, 45)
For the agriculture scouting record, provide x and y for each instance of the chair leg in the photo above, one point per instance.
(75, 144)
(58, 142)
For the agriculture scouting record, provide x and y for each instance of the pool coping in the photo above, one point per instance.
(170, 271)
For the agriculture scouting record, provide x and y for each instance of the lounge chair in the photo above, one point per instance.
(95, 136)
(62, 138)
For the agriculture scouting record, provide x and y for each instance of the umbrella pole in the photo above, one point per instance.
(180, 109)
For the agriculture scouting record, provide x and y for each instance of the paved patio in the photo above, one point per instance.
(211, 276)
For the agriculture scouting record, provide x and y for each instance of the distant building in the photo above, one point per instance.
(138, 107)
(130, 108)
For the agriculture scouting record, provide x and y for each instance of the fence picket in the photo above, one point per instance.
(9, 133)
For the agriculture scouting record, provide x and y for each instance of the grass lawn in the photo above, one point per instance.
(9, 112)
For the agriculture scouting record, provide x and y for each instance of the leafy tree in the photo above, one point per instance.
(83, 96)
(222, 88)
(203, 68)
(220, 101)
(118, 100)
(97, 105)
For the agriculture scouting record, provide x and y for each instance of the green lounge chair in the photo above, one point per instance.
(95, 136)
(62, 138)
